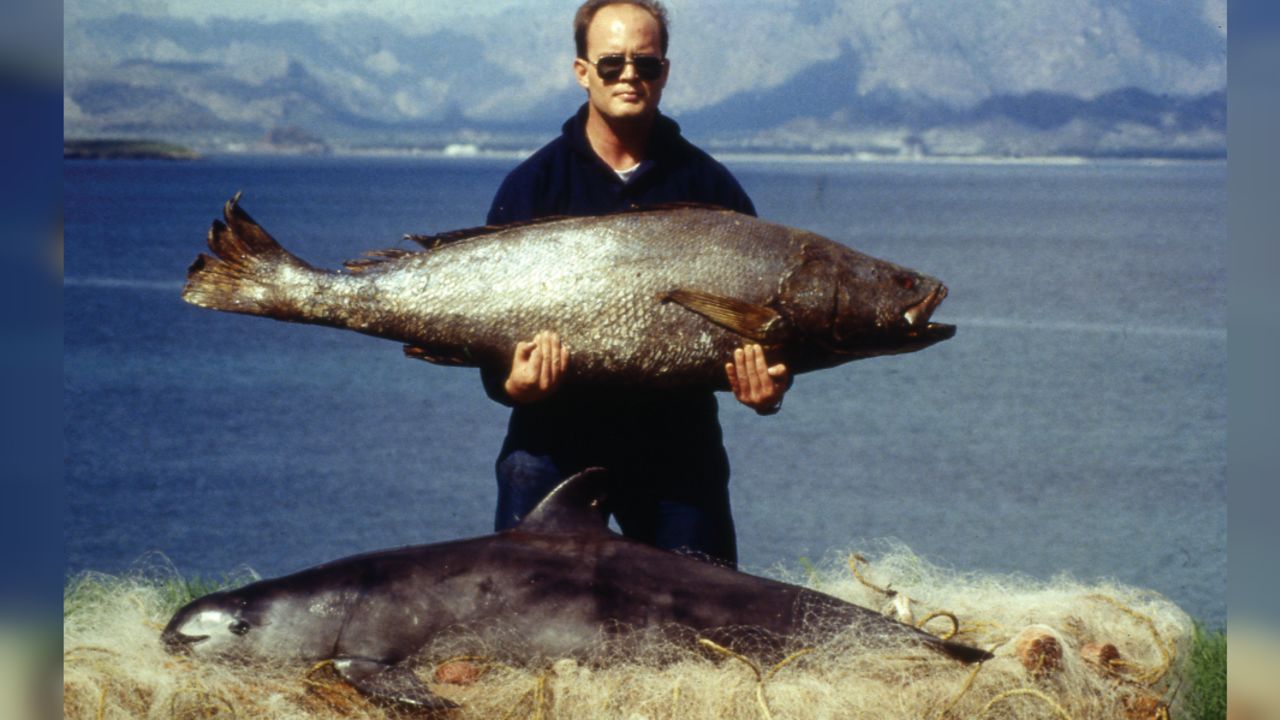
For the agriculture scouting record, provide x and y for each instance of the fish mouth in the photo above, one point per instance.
(180, 643)
(917, 317)
(920, 312)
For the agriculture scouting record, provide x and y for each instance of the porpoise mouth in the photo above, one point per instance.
(917, 316)
(176, 642)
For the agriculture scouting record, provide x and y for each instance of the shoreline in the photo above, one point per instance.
(145, 150)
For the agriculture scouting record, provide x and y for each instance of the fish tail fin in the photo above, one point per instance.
(242, 273)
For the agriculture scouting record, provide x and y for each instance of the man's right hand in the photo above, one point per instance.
(536, 368)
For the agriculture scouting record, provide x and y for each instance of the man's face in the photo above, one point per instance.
(629, 31)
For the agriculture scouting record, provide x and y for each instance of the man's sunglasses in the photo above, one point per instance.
(610, 67)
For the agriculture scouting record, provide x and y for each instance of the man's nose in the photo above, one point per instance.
(629, 70)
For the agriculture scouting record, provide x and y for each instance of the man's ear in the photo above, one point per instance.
(581, 70)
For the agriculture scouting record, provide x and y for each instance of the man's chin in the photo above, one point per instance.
(631, 110)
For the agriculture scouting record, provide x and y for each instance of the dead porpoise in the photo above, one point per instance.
(554, 586)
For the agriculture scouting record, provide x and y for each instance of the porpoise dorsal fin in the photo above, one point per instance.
(575, 506)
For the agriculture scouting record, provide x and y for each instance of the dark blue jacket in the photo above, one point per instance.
(566, 177)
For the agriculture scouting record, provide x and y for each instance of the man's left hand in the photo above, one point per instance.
(754, 382)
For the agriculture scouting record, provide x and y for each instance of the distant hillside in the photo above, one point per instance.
(125, 149)
(884, 76)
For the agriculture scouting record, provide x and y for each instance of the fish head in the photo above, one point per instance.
(221, 624)
(850, 305)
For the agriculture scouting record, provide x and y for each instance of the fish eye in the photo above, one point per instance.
(239, 627)
(908, 282)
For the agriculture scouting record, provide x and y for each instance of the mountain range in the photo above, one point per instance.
(888, 77)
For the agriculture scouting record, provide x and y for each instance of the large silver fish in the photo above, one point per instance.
(653, 298)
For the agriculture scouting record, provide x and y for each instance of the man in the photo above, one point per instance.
(665, 450)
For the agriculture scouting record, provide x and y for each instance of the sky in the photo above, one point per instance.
(415, 11)
(1156, 13)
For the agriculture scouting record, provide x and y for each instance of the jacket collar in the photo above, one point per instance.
(663, 139)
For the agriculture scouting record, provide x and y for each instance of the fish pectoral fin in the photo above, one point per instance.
(754, 322)
(390, 683)
(458, 357)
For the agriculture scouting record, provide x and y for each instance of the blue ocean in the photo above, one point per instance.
(1076, 424)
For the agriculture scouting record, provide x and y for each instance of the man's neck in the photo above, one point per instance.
(621, 144)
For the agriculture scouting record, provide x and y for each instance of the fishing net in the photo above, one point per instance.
(1063, 649)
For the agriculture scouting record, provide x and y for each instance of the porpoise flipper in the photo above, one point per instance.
(390, 683)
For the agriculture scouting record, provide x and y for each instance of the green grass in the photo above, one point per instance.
(90, 589)
(1207, 675)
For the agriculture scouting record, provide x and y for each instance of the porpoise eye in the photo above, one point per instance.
(907, 282)
(239, 627)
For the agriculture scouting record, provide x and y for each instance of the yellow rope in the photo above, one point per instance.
(74, 653)
(729, 653)
(102, 703)
(955, 622)
(536, 695)
(208, 705)
(968, 683)
(1058, 710)
(854, 559)
(308, 675)
(512, 712)
(675, 700)
(787, 661)
(761, 677)
(539, 696)
(1167, 651)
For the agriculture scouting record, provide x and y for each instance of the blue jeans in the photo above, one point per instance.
(694, 520)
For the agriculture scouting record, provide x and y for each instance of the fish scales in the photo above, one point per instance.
(658, 297)
(605, 303)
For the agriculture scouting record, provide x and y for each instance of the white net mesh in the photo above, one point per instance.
(1064, 649)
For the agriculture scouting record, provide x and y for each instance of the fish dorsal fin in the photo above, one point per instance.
(575, 506)
(431, 242)
(377, 258)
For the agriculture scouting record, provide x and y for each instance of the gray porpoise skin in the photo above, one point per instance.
(554, 586)
(654, 298)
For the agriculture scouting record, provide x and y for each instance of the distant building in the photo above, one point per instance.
(913, 147)
(293, 140)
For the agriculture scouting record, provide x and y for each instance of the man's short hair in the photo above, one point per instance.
(587, 12)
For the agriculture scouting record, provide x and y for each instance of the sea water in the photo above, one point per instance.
(1075, 424)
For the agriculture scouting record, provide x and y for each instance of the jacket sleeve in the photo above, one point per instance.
(493, 382)
(739, 200)
(731, 193)
(511, 203)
